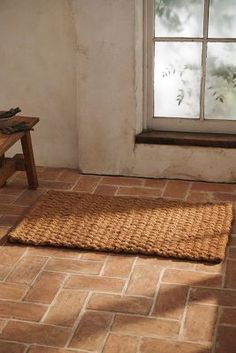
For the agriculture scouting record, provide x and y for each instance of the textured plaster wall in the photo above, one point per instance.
(78, 65)
(106, 95)
(38, 73)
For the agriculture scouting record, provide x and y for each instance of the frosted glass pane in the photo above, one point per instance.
(221, 81)
(177, 79)
(178, 18)
(222, 20)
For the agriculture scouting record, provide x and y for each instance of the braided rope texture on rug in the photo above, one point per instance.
(125, 224)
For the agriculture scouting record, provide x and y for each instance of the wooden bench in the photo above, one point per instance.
(24, 161)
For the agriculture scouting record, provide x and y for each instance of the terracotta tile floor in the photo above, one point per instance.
(61, 301)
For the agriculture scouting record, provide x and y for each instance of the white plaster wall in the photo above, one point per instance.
(38, 73)
(109, 99)
(106, 97)
(78, 65)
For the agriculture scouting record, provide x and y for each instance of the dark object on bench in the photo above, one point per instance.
(9, 113)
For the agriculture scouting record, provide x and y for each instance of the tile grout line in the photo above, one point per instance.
(131, 334)
(80, 316)
(117, 191)
(163, 338)
(18, 196)
(82, 274)
(216, 329)
(211, 196)
(158, 286)
(76, 257)
(108, 332)
(44, 191)
(124, 291)
(204, 344)
(5, 324)
(27, 349)
(101, 273)
(37, 323)
(54, 300)
(143, 182)
(16, 264)
(97, 291)
(76, 183)
(59, 175)
(16, 342)
(35, 279)
(223, 274)
(227, 325)
(163, 190)
(20, 301)
(22, 283)
(93, 189)
(69, 273)
(182, 323)
(139, 343)
(100, 181)
(202, 286)
(30, 345)
(188, 191)
(142, 316)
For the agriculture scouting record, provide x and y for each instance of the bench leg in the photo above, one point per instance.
(30, 169)
(2, 157)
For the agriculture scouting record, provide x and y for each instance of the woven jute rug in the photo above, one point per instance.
(125, 224)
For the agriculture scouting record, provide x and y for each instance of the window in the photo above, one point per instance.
(190, 48)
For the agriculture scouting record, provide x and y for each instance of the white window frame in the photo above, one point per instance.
(177, 124)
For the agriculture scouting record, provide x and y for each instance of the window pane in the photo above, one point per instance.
(178, 18)
(221, 81)
(222, 20)
(177, 79)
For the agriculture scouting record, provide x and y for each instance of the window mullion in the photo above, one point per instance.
(148, 61)
(204, 58)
